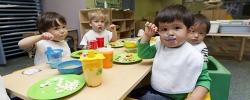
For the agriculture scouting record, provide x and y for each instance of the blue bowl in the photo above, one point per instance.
(70, 67)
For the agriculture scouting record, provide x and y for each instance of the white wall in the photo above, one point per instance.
(68, 8)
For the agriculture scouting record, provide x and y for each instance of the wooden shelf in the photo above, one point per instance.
(124, 30)
(117, 20)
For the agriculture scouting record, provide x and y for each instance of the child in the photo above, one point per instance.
(197, 33)
(52, 27)
(177, 67)
(97, 19)
(3, 93)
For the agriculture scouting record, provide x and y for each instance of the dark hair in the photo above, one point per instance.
(174, 12)
(201, 19)
(48, 20)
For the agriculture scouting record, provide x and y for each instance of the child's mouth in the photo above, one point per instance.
(100, 29)
(170, 39)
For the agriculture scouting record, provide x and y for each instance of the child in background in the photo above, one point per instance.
(178, 68)
(52, 27)
(197, 33)
(97, 19)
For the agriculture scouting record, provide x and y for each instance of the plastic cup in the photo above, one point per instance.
(100, 41)
(92, 68)
(93, 44)
(54, 57)
(108, 54)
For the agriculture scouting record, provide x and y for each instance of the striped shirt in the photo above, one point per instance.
(204, 52)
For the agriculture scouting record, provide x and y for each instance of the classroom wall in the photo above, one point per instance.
(68, 8)
(165, 3)
(90, 3)
(195, 7)
(146, 8)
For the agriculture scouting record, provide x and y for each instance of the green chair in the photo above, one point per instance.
(221, 77)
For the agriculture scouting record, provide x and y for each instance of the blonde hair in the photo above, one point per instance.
(97, 13)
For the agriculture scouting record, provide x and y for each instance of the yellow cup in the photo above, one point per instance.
(92, 68)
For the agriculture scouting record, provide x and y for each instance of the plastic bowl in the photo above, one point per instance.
(70, 67)
(130, 44)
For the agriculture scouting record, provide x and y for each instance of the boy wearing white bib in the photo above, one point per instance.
(178, 68)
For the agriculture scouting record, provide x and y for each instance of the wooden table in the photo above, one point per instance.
(117, 83)
(243, 40)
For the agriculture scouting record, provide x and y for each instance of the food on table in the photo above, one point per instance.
(62, 86)
(125, 58)
(130, 39)
(80, 53)
(116, 44)
(71, 66)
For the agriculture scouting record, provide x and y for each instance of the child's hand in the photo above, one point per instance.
(112, 28)
(47, 36)
(86, 47)
(150, 29)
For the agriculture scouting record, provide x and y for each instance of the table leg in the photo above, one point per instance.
(242, 46)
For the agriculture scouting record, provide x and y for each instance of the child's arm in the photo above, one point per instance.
(84, 42)
(199, 93)
(202, 85)
(150, 30)
(146, 51)
(114, 32)
(30, 41)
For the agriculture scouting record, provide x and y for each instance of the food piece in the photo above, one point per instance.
(80, 53)
(61, 86)
(71, 66)
(125, 58)
(42, 85)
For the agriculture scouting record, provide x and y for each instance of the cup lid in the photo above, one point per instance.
(92, 56)
(50, 51)
(107, 49)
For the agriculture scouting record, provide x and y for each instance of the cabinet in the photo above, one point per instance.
(125, 21)
(216, 14)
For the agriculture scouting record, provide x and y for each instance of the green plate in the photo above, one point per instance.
(77, 54)
(116, 44)
(124, 58)
(49, 92)
(129, 39)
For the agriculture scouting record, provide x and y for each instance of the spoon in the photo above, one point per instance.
(167, 37)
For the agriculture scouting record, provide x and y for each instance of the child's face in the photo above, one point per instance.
(177, 32)
(59, 32)
(197, 33)
(97, 24)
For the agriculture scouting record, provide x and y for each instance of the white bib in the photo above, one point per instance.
(200, 46)
(41, 47)
(176, 70)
